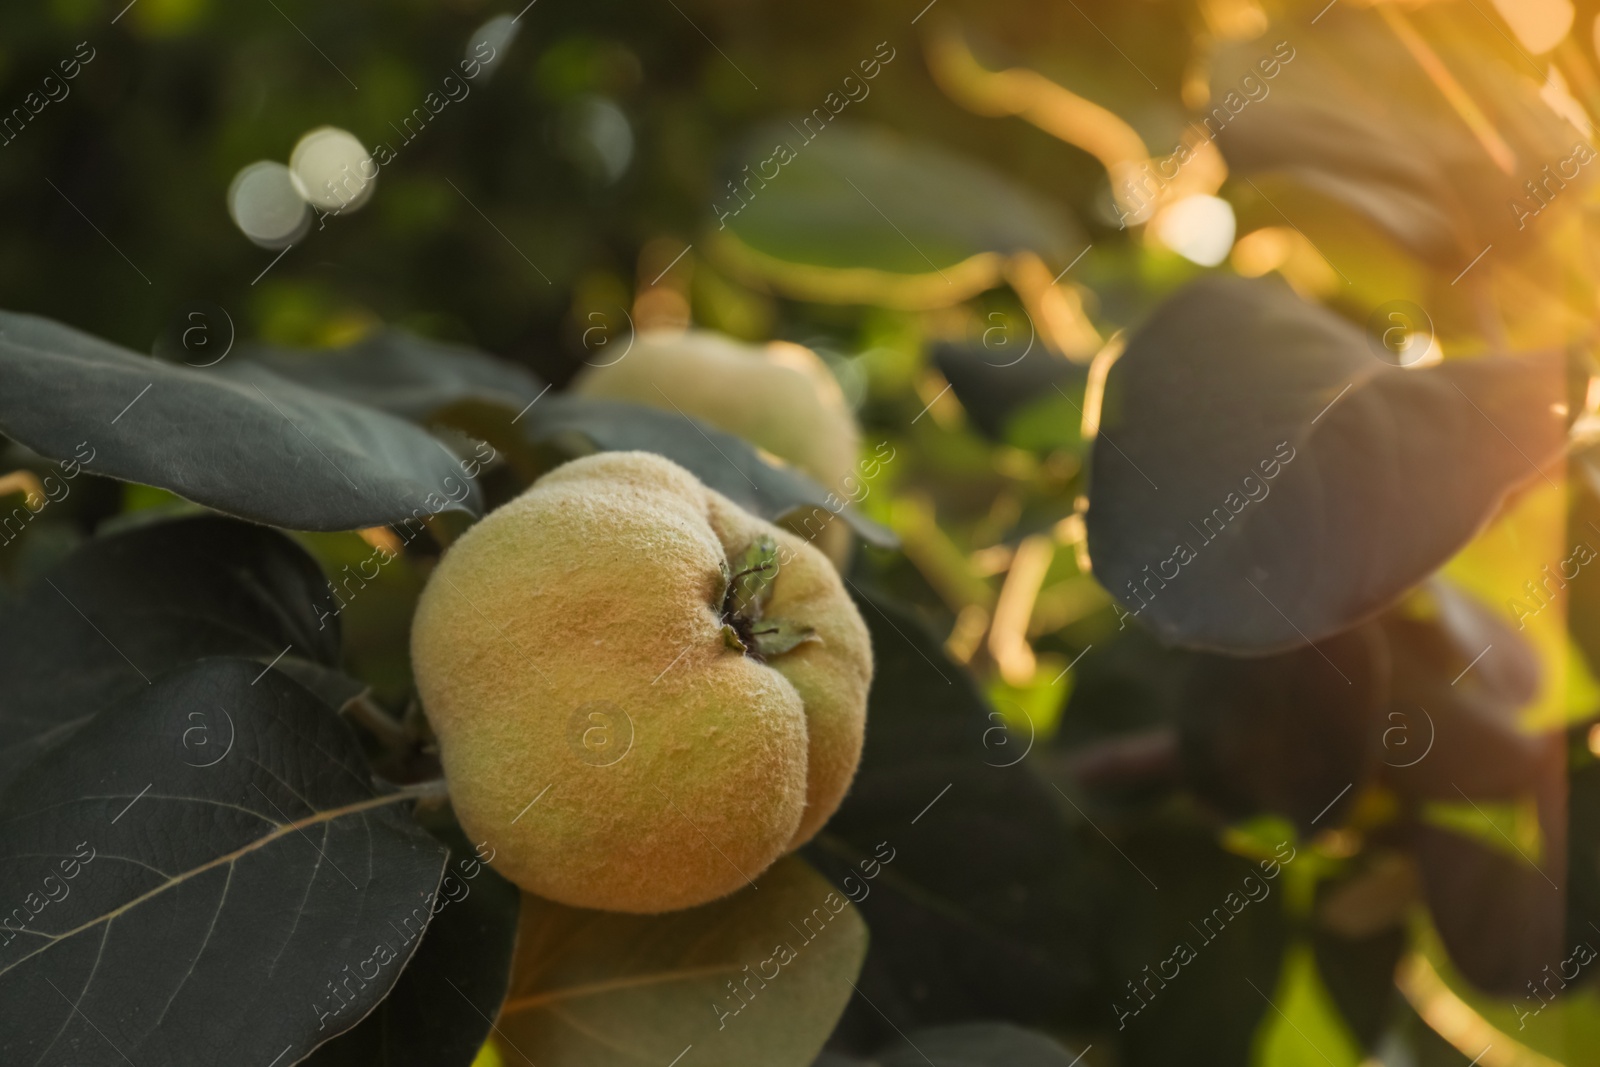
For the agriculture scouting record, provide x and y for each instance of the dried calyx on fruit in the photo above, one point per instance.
(744, 601)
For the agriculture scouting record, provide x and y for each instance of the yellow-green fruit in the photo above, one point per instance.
(779, 396)
(620, 737)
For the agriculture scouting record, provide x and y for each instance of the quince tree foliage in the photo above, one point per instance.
(986, 548)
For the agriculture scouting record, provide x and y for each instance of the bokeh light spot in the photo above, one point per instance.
(266, 206)
(332, 169)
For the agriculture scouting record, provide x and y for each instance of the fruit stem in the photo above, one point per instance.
(435, 789)
(380, 723)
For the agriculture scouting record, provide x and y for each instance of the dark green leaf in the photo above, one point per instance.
(606, 989)
(979, 1045)
(993, 387)
(1461, 680)
(1583, 842)
(1118, 733)
(1353, 114)
(231, 913)
(404, 374)
(722, 461)
(858, 199)
(957, 852)
(124, 609)
(1359, 975)
(1583, 535)
(235, 437)
(1499, 915)
(1227, 911)
(965, 1045)
(1127, 682)
(1295, 734)
(442, 1008)
(1204, 406)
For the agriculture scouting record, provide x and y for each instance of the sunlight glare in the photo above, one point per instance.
(1539, 25)
(1198, 228)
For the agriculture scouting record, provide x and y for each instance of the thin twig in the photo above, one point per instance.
(435, 789)
(363, 710)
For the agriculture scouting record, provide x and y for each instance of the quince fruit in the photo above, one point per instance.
(779, 396)
(643, 694)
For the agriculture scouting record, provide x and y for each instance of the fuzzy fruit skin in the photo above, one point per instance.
(600, 588)
(779, 396)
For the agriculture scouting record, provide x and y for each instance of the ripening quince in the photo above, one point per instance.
(643, 694)
(779, 396)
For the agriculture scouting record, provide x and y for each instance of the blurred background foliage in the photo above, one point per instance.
(575, 193)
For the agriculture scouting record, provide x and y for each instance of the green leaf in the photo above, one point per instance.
(1354, 115)
(1340, 451)
(1448, 731)
(965, 1045)
(404, 374)
(1582, 596)
(861, 214)
(1500, 917)
(1358, 973)
(1296, 733)
(1285, 733)
(1305, 1027)
(756, 978)
(996, 388)
(191, 915)
(1118, 732)
(442, 1009)
(1223, 908)
(1583, 844)
(967, 870)
(759, 483)
(123, 609)
(235, 437)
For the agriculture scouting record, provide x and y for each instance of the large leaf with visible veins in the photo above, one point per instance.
(443, 1007)
(235, 437)
(125, 608)
(160, 912)
(759, 977)
(1262, 479)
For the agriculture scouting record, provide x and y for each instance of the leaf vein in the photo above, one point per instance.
(277, 834)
